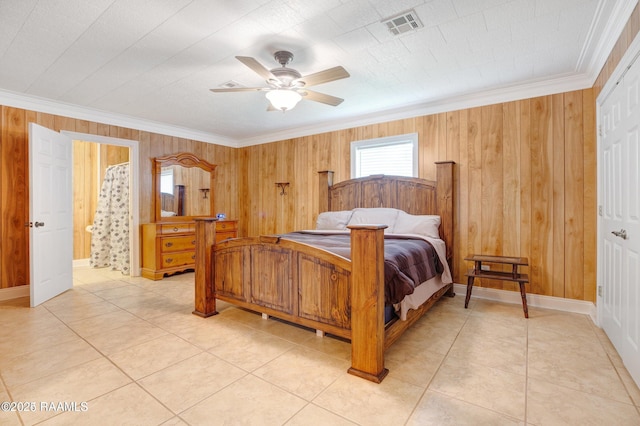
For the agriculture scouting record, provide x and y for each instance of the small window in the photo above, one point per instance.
(166, 180)
(394, 155)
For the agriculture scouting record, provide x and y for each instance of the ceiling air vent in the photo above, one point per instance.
(402, 23)
(231, 84)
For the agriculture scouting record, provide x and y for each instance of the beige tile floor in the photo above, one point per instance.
(131, 350)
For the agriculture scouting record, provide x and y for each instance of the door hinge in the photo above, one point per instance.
(600, 291)
(600, 210)
(600, 130)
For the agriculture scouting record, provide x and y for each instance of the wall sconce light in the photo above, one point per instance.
(282, 186)
(204, 191)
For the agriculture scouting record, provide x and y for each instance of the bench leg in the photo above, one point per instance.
(469, 288)
(524, 300)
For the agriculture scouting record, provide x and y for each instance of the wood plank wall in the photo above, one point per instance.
(14, 200)
(521, 168)
(85, 194)
(14, 177)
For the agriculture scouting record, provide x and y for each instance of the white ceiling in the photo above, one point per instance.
(149, 64)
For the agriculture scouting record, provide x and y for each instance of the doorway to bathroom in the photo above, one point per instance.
(105, 169)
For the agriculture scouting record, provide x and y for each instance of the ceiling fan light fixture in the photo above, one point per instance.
(283, 99)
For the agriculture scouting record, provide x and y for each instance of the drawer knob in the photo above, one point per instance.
(193, 242)
(175, 229)
(169, 260)
(168, 245)
(193, 257)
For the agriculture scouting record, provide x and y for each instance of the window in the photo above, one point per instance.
(166, 180)
(394, 155)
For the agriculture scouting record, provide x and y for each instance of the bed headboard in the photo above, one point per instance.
(413, 195)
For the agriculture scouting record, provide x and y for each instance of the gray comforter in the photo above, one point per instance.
(408, 261)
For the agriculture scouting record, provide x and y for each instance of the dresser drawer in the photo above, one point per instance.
(177, 228)
(226, 225)
(171, 244)
(178, 259)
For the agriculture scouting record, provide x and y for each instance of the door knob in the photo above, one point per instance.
(621, 233)
(36, 224)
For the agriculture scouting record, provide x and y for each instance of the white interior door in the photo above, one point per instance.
(50, 213)
(619, 239)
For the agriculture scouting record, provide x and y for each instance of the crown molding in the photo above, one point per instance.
(596, 51)
(528, 90)
(33, 103)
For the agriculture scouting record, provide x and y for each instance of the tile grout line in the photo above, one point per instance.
(437, 369)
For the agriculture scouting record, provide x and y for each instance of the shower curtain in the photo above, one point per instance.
(110, 231)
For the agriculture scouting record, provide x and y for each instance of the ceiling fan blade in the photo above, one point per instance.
(320, 97)
(331, 74)
(257, 67)
(240, 89)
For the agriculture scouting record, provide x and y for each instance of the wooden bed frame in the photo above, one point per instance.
(280, 277)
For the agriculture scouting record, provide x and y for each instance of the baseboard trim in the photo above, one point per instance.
(14, 292)
(536, 300)
(79, 263)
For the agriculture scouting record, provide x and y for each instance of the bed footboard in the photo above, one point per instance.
(301, 284)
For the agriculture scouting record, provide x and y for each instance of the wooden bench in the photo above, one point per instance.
(514, 275)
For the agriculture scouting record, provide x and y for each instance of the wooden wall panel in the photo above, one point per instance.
(574, 199)
(557, 205)
(472, 194)
(14, 202)
(511, 182)
(525, 185)
(461, 208)
(541, 261)
(492, 181)
(84, 191)
(511, 166)
(590, 199)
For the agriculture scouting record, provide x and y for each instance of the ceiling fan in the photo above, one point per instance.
(286, 86)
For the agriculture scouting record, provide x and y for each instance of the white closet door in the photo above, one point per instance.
(619, 239)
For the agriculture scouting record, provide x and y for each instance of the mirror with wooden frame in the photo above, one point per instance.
(182, 187)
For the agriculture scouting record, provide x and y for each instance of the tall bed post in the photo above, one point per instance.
(367, 302)
(205, 301)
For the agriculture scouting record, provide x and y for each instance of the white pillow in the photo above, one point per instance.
(378, 215)
(333, 221)
(425, 225)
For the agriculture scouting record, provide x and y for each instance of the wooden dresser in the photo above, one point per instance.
(170, 247)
